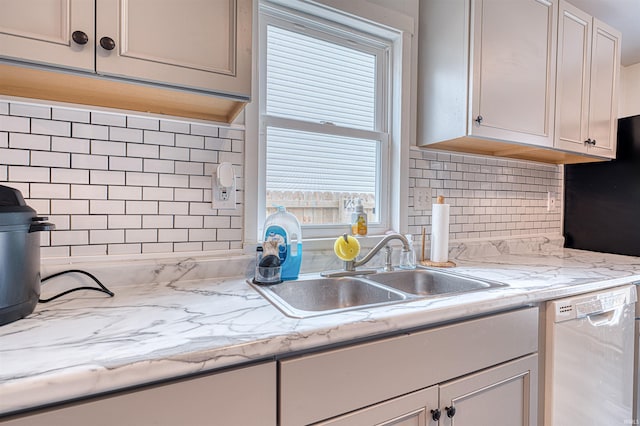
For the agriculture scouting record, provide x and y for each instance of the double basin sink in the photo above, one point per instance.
(322, 296)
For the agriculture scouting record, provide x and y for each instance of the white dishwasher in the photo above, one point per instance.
(589, 359)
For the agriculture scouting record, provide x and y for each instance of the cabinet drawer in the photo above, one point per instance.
(319, 386)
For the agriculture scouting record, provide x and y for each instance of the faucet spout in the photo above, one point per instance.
(350, 266)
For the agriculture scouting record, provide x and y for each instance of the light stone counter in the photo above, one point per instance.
(179, 323)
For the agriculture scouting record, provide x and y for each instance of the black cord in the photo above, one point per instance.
(102, 288)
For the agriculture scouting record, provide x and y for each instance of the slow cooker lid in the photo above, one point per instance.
(13, 209)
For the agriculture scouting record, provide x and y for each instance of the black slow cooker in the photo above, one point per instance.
(19, 255)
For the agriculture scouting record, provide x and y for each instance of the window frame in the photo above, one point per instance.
(333, 32)
(397, 24)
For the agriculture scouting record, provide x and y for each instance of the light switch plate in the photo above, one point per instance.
(422, 198)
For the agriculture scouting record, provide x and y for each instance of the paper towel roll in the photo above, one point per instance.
(440, 233)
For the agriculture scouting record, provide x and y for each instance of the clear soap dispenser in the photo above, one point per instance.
(408, 257)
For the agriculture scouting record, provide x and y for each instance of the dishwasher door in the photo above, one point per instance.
(589, 359)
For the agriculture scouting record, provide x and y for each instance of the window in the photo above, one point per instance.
(324, 120)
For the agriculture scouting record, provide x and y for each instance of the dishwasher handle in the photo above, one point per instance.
(605, 318)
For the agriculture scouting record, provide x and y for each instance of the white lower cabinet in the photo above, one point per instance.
(244, 396)
(415, 409)
(485, 368)
(505, 395)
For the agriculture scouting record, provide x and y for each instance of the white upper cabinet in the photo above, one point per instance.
(200, 47)
(59, 32)
(513, 59)
(499, 85)
(188, 43)
(587, 84)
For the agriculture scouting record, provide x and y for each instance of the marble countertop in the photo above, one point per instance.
(179, 323)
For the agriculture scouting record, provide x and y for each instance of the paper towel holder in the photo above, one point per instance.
(429, 262)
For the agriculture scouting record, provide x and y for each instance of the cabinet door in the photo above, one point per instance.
(245, 396)
(572, 85)
(413, 409)
(40, 31)
(513, 79)
(201, 44)
(506, 395)
(603, 104)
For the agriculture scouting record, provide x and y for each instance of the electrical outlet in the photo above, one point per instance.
(222, 198)
(551, 201)
(422, 198)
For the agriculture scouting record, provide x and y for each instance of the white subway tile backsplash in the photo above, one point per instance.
(143, 123)
(14, 156)
(141, 207)
(69, 114)
(129, 221)
(108, 119)
(173, 235)
(227, 133)
(49, 190)
(4, 108)
(89, 192)
(204, 130)
(108, 148)
(157, 222)
(14, 124)
(4, 139)
(92, 250)
(106, 236)
(125, 135)
(69, 238)
(126, 164)
(71, 207)
(3, 173)
(50, 127)
(156, 247)
(29, 174)
(50, 159)
(107, 207)
(188, 221)
(489, 197)
(142, 179)
(141, 235)
(157, 194)
(217, 144)
(158, 166)
(188, 194)
(89, 131)
(29, 110)
(125, 192)
(90, 162)
(101, 177)
(158, 138)
(61, 144)
(144, 151)
(173, 207)
(120, 249)
(186, 168)
(188, 141)
(174, 126)
(173, 153)
(27, 141)
(186, 247)
(89, 221)
(174, 181)
(206, 156)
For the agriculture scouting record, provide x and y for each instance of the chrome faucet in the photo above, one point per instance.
(351, 265)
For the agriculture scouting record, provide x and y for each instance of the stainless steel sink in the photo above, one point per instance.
(322, 296)
(428, 282)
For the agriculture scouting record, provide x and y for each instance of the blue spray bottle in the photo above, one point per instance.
(283, 227)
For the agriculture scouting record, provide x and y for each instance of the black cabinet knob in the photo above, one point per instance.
(107, 43)
(435, 414)
(80, 37)
(588, 141)
(593, 142)
(478, 119)
(451, 411)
